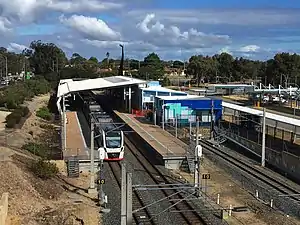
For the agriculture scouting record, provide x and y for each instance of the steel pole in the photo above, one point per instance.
(92, 183)
(123, 196)
(263, 145)
(163, 117)
(197, 131)
(129, 199)
(176, 124)
(64, 124)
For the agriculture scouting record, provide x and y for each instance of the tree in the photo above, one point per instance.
(178, 64)
(77, 59)
(202, 69)
(152, 67)
(94, 59)
(225, 62)
(45, 57)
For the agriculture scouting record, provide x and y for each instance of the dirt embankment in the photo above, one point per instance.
(33, 201)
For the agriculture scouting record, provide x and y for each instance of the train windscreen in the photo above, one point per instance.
(113, 139)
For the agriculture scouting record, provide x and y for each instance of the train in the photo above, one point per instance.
(108, 135)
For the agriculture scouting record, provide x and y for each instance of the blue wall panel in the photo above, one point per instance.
(201, 105)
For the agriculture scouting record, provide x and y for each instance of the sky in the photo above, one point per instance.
(255, 29)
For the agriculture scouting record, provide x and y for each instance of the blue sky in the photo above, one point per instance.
(174, 29)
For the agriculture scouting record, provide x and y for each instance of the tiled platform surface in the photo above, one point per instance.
(168, 146)
(75, 141)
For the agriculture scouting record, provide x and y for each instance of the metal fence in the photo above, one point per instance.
(265, 194)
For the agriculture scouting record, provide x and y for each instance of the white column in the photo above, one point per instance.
(163, 117)
(125, 104)
(263, 145)
(64, 124)
(129, 99)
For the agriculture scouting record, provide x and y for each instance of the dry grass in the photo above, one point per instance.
(33, 201)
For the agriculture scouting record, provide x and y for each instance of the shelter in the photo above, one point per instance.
(69, 87)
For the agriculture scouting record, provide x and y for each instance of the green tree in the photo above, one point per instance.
(45, 58)
(152, 67)
(77, 59)
(178, 64)
(94, 59)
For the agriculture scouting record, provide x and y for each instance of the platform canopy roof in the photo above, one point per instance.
(70, 85)
(271, 116)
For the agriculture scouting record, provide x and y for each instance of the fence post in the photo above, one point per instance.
(218, 199)
(230, 210)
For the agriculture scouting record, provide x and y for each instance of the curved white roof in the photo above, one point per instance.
(271, 116)
(69, 85)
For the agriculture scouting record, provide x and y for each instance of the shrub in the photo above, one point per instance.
(44, 169)
(11, 123)
(36, 149)
(44, 113)
(15, 117)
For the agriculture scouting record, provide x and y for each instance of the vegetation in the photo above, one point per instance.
(44, 113)
(15, 117)
(49, 61)
(37, 149)
(44, 169)
(14, 95)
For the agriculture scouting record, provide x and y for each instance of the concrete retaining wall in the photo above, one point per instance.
(3, 208)
(284, 161)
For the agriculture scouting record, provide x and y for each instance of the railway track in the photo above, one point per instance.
(285, 187)
(142, 216)
(184, 212)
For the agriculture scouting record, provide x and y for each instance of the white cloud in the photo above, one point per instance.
(90, 27)
(160, 35)
(250, 48)
(67, 45)
(76, 6)
(26, 11)
(4, 25)
(131, 46)
(225, 49)
(14, 47)
(245, 17)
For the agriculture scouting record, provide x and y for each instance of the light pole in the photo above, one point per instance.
(122, 61)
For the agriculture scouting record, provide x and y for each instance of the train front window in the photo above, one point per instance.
(113, 139)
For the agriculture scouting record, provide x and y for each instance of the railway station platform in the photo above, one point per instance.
(75, 142)
(171, 150)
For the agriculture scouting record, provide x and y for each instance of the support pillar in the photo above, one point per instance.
(64, 124)
(263, 145)
(129, 200)
(92, 188)
(123, 196)
(163, 117)
(125, 99)
(129, 99)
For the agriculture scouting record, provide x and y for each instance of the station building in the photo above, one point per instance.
(186, 109)
(146, 95)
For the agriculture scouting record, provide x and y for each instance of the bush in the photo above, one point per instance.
(14, 95)
(36, 149)
(44, 169)
(44, 113)
(15, 117)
